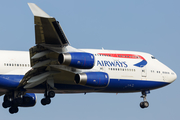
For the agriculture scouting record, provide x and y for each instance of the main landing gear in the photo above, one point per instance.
(12, 100)
(48, 94)
(47, 97)
(145, 103)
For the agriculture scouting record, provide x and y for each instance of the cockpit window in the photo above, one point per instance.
(153, 57)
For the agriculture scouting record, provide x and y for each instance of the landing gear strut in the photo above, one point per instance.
(145, 103)
(47, 97)
(12, 100)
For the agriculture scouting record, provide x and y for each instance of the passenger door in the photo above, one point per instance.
(143, 72)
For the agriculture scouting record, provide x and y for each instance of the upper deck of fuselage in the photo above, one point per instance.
(154, 68)
(146, 56)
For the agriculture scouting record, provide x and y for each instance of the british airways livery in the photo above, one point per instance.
(53, 66)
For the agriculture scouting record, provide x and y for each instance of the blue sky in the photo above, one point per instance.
(137, 25)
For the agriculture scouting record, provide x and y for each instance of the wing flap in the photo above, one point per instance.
(38, 79)
(40, 64)
(45, 32)
(40, 54)
(60, 32)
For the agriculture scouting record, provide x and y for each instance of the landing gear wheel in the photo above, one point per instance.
(46, 101)
(6, 104)
(43, 101)
(144, 104)
(13, 99)
(47, 95)
(51, 94)
(13, 109)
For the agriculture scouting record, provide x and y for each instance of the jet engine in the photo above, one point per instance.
(80, 60)
(92, 79)
(29, 100)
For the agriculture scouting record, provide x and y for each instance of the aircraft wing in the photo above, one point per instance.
(50, 42)
(47, 29)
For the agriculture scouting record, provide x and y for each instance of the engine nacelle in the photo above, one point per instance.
(29, 100)
(80, 60)
(92, 79)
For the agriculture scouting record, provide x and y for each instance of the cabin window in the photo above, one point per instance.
(152, 71)
(153, 57)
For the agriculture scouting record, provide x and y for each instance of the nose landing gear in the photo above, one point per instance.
(145, 103)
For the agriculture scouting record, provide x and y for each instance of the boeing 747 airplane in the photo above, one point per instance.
(53, 66)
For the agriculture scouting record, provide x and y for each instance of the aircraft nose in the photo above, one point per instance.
(173, 77)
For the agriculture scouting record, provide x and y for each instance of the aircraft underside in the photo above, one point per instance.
(114, 86)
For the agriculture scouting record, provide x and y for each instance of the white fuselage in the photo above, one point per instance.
(120, 65)
(154, 70)
(14, 62)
